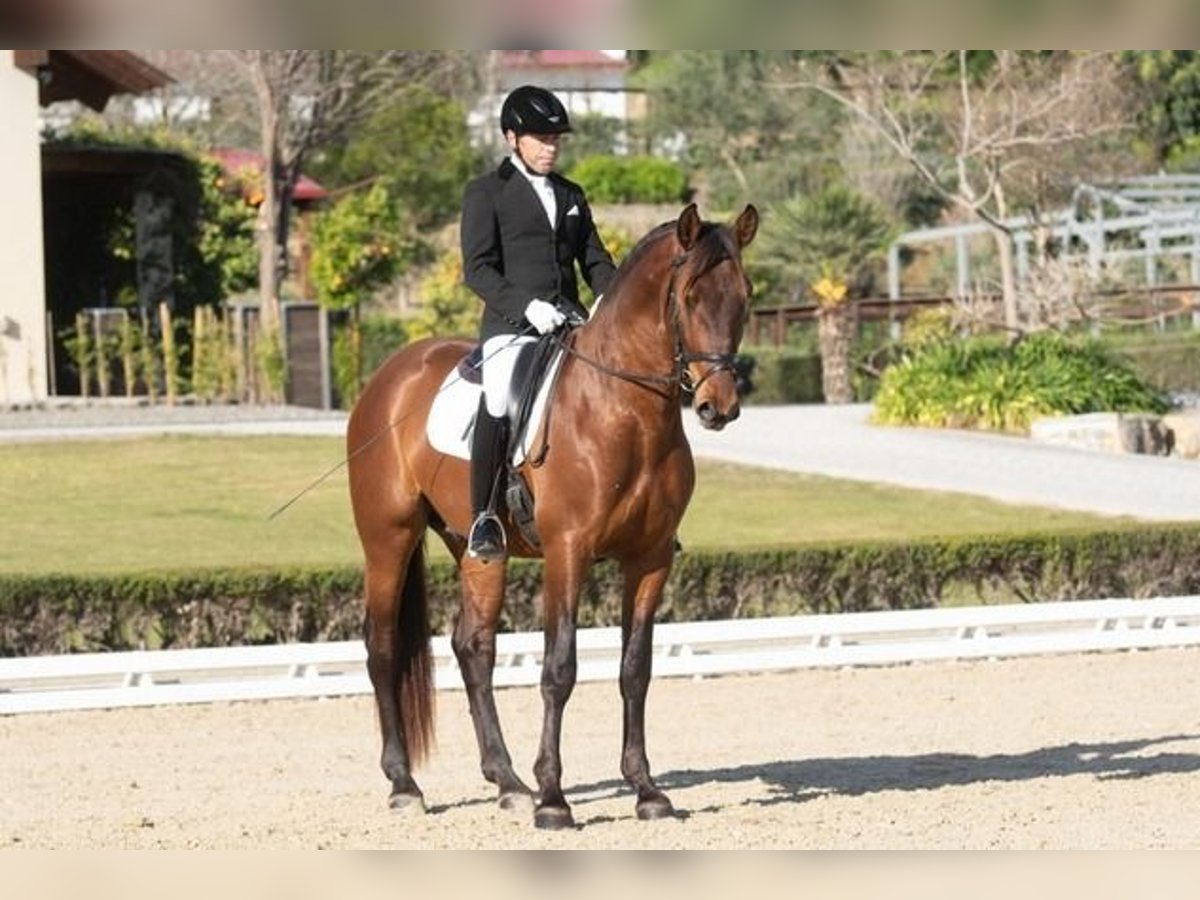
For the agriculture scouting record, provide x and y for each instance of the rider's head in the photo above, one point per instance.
(533, 120)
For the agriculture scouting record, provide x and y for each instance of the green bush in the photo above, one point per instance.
(57, 614)
(381, 337)
(987, 382)
(378, 337)
(783, 375)
(1169, 361)
(630, 179)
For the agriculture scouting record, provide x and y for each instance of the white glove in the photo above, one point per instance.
(543, 316)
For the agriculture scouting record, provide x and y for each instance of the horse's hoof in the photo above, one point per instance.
(553, 818)
(516, 802)
(407, 804)
(657, 807)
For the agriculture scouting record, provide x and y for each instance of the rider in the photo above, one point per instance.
(523, 228)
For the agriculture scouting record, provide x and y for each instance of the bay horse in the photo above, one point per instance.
(613, 483)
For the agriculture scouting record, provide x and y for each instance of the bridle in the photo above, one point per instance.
(680, 377)
(718, 361)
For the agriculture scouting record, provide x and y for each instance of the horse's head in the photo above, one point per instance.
(710, 299)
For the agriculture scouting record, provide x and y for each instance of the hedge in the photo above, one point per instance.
(56, 614)
(630, 179)
(782, 375)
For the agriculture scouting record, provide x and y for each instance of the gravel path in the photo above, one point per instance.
(838, 441)
(119, 418)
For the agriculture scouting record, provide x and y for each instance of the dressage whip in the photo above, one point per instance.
(381, 432)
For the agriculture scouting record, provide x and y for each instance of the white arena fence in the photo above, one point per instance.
(690, 649)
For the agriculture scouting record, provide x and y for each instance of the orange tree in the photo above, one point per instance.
(359, 245)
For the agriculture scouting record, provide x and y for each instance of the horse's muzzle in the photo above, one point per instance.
(713, 419)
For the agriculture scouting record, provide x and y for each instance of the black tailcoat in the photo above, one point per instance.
(511, 255)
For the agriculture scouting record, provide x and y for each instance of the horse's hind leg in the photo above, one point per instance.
(397, 657)
(474, 643)
(644, 584)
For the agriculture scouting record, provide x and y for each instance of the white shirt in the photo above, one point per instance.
(541, 186)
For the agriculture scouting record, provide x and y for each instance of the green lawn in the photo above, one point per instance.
(186, 502)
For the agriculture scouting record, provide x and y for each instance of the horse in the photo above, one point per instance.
(615, 477)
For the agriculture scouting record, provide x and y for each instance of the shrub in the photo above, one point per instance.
(358, 352)
(630, 179)
(1169, 361)
(986, 382)
(783, 375)
(448, 307)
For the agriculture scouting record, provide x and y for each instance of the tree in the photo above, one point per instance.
(418, 139)
(307, 99)
(448, 306)
(751, 143)
(829, 241)
(973, 123)
(1170, 114)
(592, 134)
(359, 245)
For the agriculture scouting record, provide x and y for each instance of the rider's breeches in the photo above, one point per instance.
(499, 357)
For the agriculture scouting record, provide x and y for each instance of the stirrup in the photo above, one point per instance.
(486, 540)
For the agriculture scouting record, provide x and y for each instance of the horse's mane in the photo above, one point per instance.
(714, 244)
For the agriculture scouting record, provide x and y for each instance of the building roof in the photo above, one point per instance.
(560, 59)
(90, 76)
(236, 160)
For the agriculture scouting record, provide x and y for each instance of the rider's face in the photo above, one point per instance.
(539, 151)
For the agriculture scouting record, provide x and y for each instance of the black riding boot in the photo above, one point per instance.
(488, 445)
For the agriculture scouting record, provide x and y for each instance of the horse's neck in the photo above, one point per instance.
(628, 330)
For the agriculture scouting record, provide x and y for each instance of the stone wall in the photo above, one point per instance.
(1176, 434)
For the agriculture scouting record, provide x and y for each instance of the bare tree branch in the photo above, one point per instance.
(990, 119)
(307, 99)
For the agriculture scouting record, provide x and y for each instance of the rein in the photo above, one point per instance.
(680, 377)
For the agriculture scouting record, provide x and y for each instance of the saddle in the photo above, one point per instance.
(527, 405)
(529, 372)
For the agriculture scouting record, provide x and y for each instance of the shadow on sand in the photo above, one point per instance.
(796, 781)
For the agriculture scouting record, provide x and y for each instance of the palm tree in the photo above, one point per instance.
(829, 242)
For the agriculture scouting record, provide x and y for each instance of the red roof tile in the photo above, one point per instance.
(235, 160)
(559, 59)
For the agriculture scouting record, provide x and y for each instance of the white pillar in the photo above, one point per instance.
(22, 278)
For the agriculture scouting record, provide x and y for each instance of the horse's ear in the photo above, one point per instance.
(687, 229)
(746, 225)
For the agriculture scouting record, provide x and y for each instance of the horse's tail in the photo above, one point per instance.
(414, 661)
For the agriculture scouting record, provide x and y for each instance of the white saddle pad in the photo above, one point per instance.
(452, 415)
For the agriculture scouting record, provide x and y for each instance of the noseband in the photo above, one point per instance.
(679, 377)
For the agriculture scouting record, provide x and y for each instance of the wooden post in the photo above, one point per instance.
(83, 355)
(100, 343)
(128, 350)
(199, 361)
(170, 358)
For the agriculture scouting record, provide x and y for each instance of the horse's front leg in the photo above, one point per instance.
(644, 583)
(563, 577)
(474, 643)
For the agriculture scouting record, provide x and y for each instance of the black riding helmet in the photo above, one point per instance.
(533, 110)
